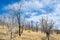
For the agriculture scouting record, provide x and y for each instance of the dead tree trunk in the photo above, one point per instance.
(12, 23)
(47, 35)
(36, 27)
(47, 27)
(18, 18)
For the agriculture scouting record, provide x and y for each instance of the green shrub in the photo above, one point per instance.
(29, 31)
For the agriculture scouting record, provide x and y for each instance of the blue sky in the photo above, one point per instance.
(33, 9)
(5, 3)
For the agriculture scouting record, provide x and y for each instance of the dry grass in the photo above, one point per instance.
(31, 36)
(26, 35)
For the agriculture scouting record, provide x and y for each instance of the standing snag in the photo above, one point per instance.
(36, 27)
(18, 19)
(47, 27)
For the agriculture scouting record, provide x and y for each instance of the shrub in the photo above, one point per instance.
(29, 31)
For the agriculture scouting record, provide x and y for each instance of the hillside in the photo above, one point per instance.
(5, 35)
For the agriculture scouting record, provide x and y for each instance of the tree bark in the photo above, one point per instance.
(19, 31)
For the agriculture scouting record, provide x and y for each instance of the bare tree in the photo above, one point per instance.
(18, 16)
(19, 23)
(1, 21)
(47, 26)
(36, 27)
(32, 26)
(23, 24)
(4, 17)
(11, 26)
(29, 26)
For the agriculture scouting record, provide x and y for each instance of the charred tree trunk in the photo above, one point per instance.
(48, 35)
(19, 31)
(18, 18)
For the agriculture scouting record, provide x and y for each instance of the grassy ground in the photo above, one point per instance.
(5, 35)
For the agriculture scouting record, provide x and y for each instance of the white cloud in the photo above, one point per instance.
(37, 18)
(15, 6)
(25, 5)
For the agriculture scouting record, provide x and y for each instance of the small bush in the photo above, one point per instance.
(29, 31)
